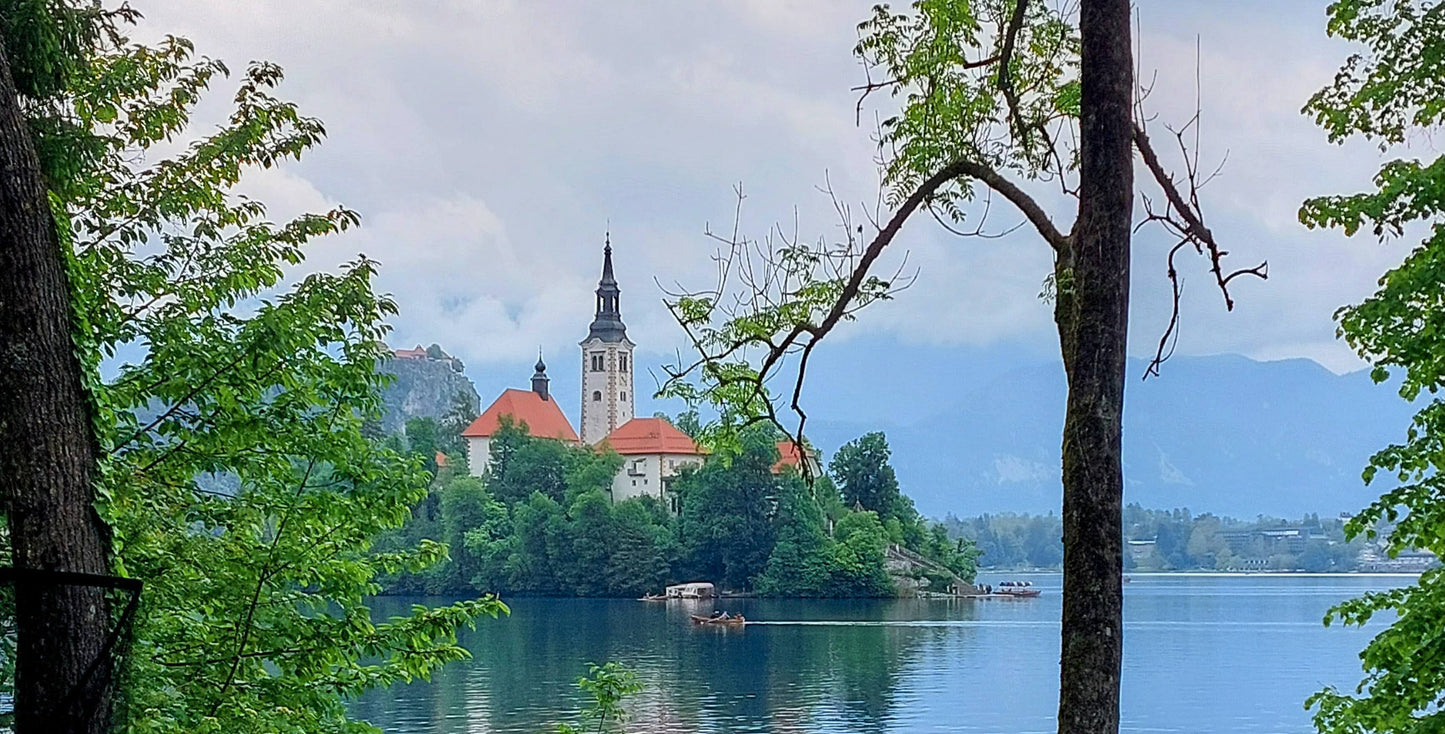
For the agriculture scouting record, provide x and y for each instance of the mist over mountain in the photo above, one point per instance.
(979, 430)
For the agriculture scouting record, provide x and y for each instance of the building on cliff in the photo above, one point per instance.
(426, 382)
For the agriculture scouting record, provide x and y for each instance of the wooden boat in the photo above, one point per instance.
(730, 621)
(1020, 589)
(653, 597)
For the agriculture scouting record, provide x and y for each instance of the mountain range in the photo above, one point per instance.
(1222, 434)
(978, 429)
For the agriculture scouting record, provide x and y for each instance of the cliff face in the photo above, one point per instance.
(425, 386)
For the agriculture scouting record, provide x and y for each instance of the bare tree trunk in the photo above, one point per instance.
(48, 456)
(1092, 314)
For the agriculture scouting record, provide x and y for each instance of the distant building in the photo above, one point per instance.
(607, 396)
(653, 452)
(1410, 561)
(534, 408)
(790, 455)
(1268, 541)
(1140, 550)
(432, 353)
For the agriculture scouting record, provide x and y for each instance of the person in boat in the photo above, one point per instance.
(717, 614)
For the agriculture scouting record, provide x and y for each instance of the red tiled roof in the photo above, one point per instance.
(651, 436)
(543, 418)
(788, 455)
(418, 353)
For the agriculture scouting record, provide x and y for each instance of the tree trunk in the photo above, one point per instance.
(1092, 317)
(47, 457)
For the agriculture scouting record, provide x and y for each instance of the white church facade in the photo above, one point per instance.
(653, 450)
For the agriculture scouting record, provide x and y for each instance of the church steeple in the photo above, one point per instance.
(540, 381)
(607, 323)
(607, 395)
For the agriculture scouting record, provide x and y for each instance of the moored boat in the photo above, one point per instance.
(653, 597)
(694, 590)
(1023, 589)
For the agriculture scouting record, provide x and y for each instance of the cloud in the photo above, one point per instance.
(489, 145)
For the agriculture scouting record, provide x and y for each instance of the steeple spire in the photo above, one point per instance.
(607, 324)
(540, 381)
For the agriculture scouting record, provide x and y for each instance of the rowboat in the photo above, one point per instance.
(653, 597)
(730, 621)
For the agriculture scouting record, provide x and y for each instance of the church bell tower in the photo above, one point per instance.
(607, 396)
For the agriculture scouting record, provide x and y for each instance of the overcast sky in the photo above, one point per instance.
(487, 146)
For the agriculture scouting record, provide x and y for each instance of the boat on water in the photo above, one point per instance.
(694, 590)
(1022, 589)
(653, 597)
(731, 620)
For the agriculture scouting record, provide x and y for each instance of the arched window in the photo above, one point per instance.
(596, 396)
(624, 397)
(622, 364)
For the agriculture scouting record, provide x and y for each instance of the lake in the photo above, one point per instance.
(1201, 654)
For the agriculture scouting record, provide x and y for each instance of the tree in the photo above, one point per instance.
(233, 467)
(1386, 93)
(723, 527)
(60, 547)
(471, 522)
(593, 539)
(640, 561)
(991, 91)
(535, 566)
(423, 438)
(801, 562)
(859, 567)
(459, 416)
(861, 470)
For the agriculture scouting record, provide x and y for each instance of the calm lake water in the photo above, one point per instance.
(1201, 654)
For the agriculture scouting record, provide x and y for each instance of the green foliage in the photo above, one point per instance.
(739, 525)
(724, 526)
(608, 685)
(236, 476)
(801, 563)
(858, 558)
(1391, 86)
(951, 105)
(1384, 93)
(865, 477)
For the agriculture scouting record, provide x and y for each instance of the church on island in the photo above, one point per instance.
(652, 449)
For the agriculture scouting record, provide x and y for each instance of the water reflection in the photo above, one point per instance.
(791, 675)
(1201, 655)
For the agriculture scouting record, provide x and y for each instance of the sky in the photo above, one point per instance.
(489, 146)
